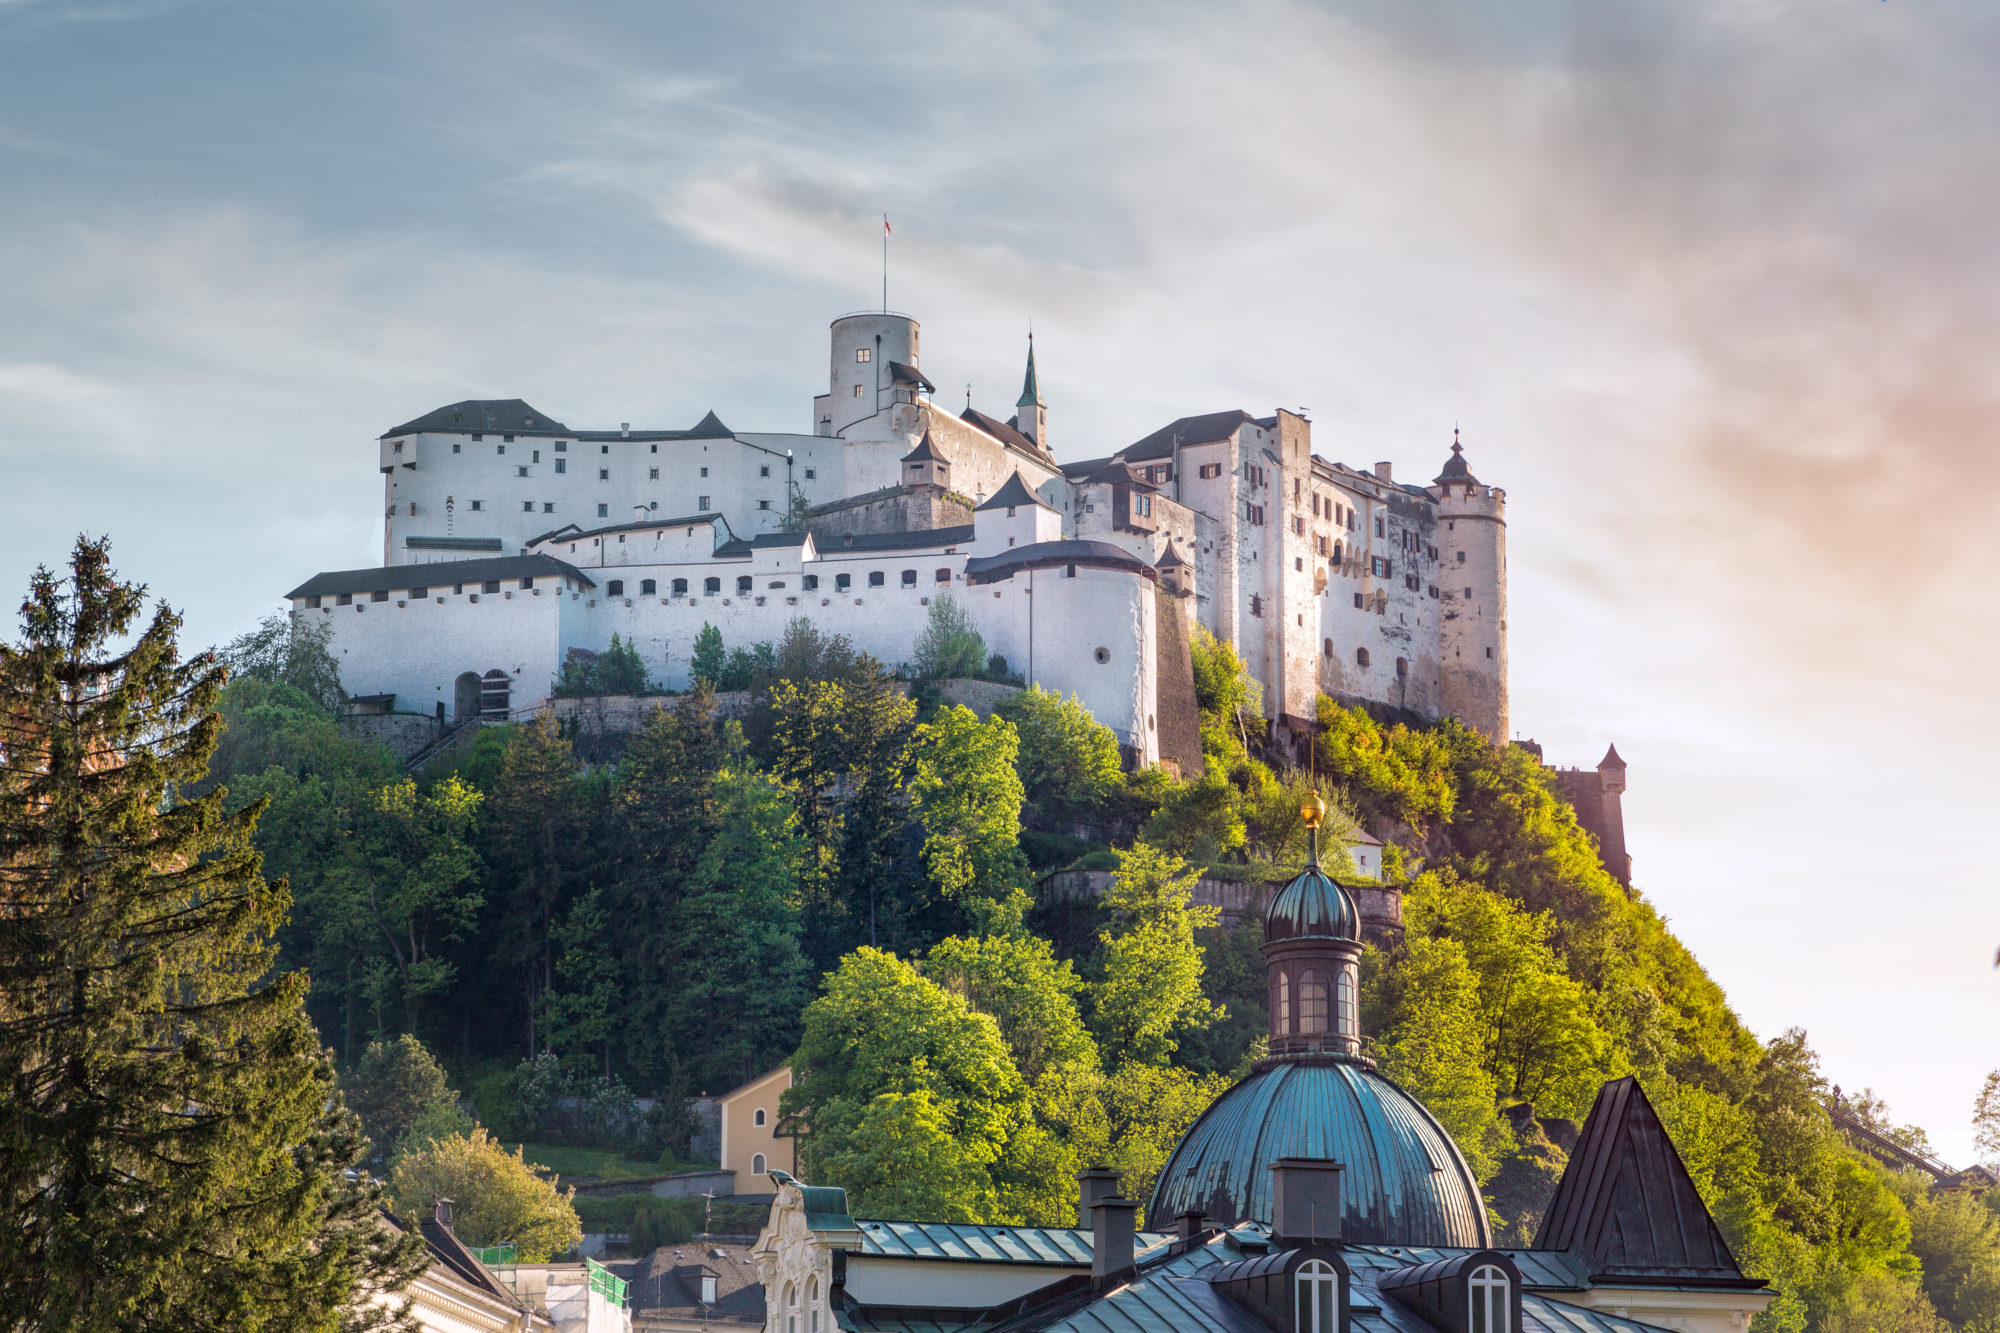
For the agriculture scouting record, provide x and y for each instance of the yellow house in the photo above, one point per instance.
(750, 1143)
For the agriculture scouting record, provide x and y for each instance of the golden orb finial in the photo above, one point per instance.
(1314, 809)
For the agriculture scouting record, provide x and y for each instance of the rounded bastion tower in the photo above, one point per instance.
(1472, 582)
(1316, 1095)
(861, 381)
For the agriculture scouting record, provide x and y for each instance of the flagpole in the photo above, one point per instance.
(885, 263)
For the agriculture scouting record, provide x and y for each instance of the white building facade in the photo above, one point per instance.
(510, 539)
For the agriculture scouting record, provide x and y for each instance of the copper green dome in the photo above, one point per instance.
(1312, 906)
(1404, 1182)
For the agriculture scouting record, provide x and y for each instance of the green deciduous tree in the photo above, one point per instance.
(172, 1147)
(412, 872)
(968, 799)
(1424, 1007)
(948, 645)
(1152, 967)
(1068, 760)
(497, 1197)
(1029, 992)
(709, 660)
(881, 1029)
(288, 649)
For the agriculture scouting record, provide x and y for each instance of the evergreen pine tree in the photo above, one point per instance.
(172, 1146)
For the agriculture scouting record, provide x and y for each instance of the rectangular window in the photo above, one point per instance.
(491, 585)
(863, 354)
(704, 472)
(857, 391)
(810, 582)
(527, 506)
(548, 509)
(562, 446)
(345, 599)
(527, 583)
(655, 449)
(764, 471)
(562, 465)
(810, 474)
(701, 503)
(520, 472)
(604, 474)
(379, 596)
(454, 446)
(1357, 601)
(603, 448)
(477, 435)
(1378, 529)
(604, 511)
(501, 448)
(652, 474)
(537, 457)
(763, 504)
(477, 505)
(1256, 605)
(312, 603)
(508, 438)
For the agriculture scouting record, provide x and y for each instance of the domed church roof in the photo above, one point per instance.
(1404, 1182)
(1312, 906)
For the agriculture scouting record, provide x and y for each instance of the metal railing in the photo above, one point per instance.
(611, 1288)
(493, 1256)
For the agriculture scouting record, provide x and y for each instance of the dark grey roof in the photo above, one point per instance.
(513, 416)
(763, 541)
(902, 374)
(510, 416)
(1082, 466)
(1171, 559)
(1204, 429)
(1001, 431)
(452, 544)
(667, 1283)
(1626, 1208)
(387, 578)
(1042, 555)
(1611, 759)
(925, 452)
(920, 539)
(570, 532)
(1454, 467)
(1015, 492)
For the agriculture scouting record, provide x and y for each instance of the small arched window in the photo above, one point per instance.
(1490, 1300)
(1339, 552)
(1326, 647)
(1402, 666)
(680, 587)
(943, 576)
(1345, 1017)
(1317, 1309)
(791, 1308)
(875, 578)
(757, 1164)
(711, 586)
(1361, 657)
(1284, 1001)
(841, 582)
(812, 1305)
(758, 1119)
(616, 587)
(647, 587)
(909, 578)
(1312, 1000)
(743, 583)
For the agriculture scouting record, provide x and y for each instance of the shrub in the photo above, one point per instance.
(496, 1195)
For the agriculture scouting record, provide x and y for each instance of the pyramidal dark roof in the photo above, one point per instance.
(925, 452)
(1455, 468)
(1626, 1209)
(502, 415)
(1015, 492)
(1611, 759)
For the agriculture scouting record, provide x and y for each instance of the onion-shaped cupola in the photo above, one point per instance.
(1312, 945)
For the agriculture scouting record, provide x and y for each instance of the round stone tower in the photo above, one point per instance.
(861, 383)
(1472, 583)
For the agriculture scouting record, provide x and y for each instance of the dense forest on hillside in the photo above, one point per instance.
(846, 878)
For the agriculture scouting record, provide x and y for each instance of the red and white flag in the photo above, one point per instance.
(885, 224)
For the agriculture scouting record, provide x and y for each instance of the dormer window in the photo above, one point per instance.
(1489, 1301)
(1317, 1298)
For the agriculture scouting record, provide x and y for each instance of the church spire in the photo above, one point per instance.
(1031, 392)
(1032, 419)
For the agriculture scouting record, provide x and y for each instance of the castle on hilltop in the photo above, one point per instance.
(510, 539)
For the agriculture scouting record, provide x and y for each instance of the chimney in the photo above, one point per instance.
(1305, 1200)
(443, 1214)
(1111, 1228)
(625, 429)
(1383, 473)
(1190, 1224)
(1095, 1182)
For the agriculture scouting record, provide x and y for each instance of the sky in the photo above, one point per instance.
(1708, 286)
